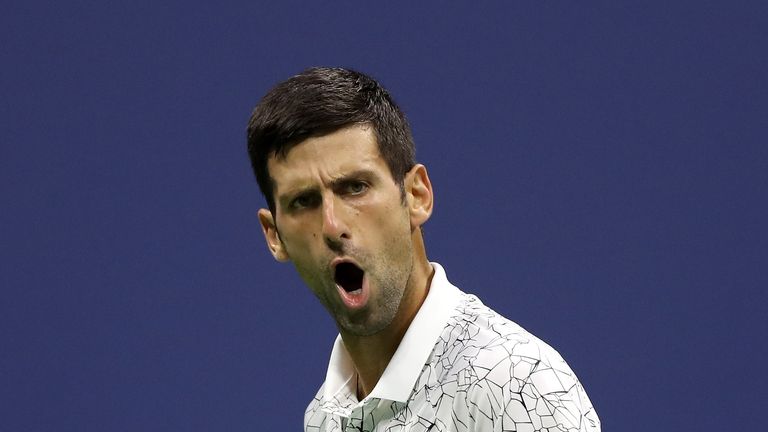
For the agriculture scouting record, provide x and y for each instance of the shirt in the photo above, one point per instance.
(460, 367)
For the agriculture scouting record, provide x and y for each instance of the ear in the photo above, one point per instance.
(271, 235)
(418, 193)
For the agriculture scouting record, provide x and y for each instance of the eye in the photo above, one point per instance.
(303, 201)
(356, 187)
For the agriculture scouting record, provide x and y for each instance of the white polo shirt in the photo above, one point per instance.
(460, 367)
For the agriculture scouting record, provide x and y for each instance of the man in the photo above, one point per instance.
(334, 158)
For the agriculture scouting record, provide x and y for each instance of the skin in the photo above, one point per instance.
(336, 198)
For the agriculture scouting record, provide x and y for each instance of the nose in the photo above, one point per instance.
(335, 231)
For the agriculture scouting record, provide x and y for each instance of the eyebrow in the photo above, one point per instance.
(364, 174)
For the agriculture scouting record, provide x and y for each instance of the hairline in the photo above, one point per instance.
(282, 154)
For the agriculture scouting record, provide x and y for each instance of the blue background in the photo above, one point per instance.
(600, 171)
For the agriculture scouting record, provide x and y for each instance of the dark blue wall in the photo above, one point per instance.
(600, 172)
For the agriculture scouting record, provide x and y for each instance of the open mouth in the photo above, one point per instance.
(349, 277)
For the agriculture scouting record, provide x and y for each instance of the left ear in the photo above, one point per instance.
(418, 194)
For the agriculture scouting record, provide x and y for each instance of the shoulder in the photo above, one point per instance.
(482, 337)
(506, 374)
(314, 416)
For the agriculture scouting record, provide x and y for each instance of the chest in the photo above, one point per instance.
(428, 410)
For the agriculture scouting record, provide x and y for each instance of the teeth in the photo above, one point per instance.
(349, 277)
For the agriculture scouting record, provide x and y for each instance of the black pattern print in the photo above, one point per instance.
(485, 373)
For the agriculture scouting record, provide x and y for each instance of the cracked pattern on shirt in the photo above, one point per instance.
(485, 373)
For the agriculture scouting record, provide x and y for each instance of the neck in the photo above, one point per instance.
(371, 354)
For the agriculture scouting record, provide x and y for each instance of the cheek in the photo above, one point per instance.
(297, 243)
(393, 223)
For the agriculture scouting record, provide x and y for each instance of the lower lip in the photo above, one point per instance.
(355, 299)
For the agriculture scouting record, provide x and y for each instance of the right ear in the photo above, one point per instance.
(271, 235)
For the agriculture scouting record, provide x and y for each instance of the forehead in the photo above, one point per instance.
(326, 157)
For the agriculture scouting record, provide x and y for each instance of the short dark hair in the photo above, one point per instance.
(319, 101)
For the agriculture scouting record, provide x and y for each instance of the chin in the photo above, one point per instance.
(364, 329)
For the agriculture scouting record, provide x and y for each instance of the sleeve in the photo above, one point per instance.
(527, 395)
(554, 399)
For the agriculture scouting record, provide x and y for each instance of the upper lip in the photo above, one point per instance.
(336, 261)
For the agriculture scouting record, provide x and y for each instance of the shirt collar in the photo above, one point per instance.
(398, 379)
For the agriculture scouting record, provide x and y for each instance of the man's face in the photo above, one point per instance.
(340, 219)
